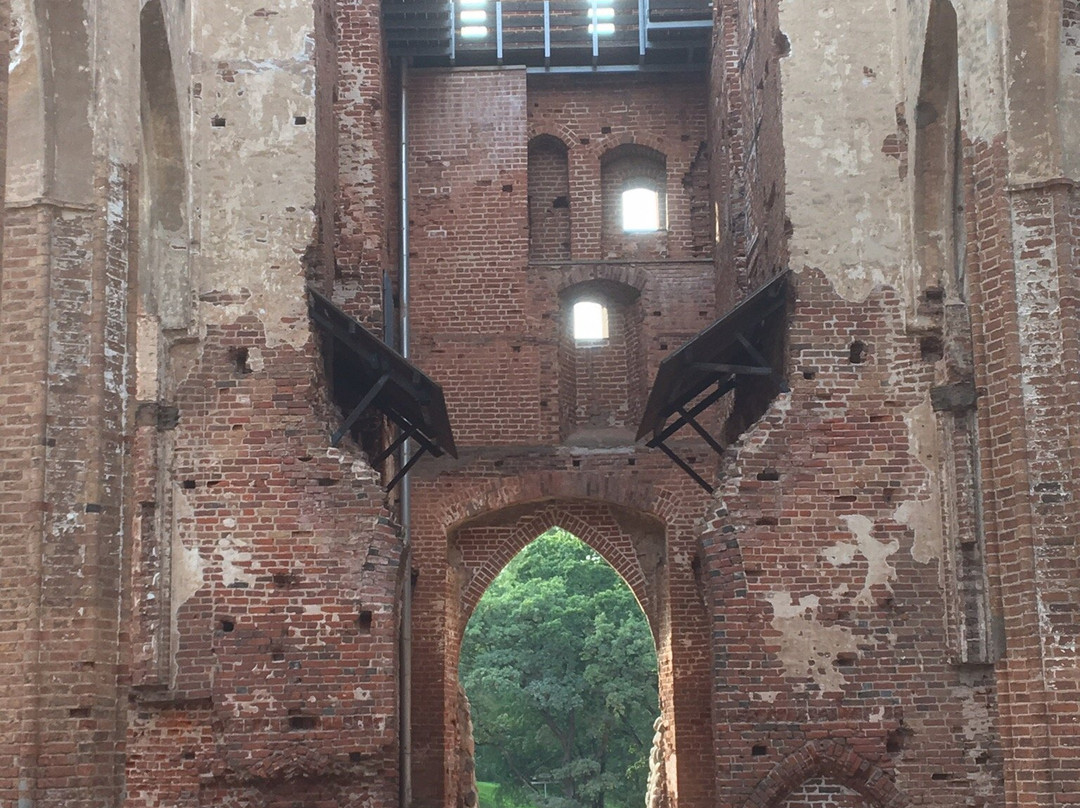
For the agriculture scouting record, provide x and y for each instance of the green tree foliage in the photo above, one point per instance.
(560, 668)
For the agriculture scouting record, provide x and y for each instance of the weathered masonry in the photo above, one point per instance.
(821, 259)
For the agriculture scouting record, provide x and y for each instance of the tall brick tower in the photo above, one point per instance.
(313, 314)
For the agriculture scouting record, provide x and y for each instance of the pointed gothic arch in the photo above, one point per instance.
(164, 279)
(835, 761)
(938, 220)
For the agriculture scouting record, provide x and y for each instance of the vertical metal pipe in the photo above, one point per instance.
(498, 31)
(453, 32)
(406, 556)
(595, 25)
(547, 32)
(643, 28)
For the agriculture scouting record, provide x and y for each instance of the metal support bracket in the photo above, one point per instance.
(425, 446)
(757, 357)
(358, 410)
(678, 461)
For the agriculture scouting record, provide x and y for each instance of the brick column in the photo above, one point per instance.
(64, 367)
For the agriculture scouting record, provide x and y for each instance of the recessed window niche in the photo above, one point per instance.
(601, 362)
(549, 199)
(633, 183)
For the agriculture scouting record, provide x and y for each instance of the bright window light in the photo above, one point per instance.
(602, 29)
(590, 321)
(473, 3)
(476, 16)
(640, 210)
(474, 31)
(606, 13)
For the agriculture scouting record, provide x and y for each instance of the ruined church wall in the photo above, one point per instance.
(831, 520)
(66, 278)
(490, 324)
(266, 568)
(953, 530)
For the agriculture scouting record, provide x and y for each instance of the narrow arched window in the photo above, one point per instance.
(634, 183)
(640, 208)
(590, 321)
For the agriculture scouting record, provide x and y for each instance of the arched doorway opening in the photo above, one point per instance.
(652, 550)
(559, 663)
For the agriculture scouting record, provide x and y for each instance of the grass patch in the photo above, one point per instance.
(487, 797)
(485, 794)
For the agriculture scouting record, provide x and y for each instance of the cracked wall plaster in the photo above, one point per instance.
(807, 647)
(923, 516)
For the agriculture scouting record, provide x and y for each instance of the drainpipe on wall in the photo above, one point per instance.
(406, 556)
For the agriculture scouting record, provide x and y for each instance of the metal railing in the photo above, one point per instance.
(551, 34)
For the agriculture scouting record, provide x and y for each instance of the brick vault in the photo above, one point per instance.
(248, 249)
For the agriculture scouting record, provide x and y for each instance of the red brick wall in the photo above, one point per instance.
(64, 372)
(838, 629)
(820, 793)
(549, 200)
(607, 373)
(1024, 319)
(593, 116)
(495, 331)
(471, 517)
(358, 151)
(22, 454)
(266, 566)
(474, 330)
(284, 652)
(747, 144)
(621, 168)
(472, 285)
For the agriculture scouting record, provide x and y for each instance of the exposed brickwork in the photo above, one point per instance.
(820, 793)
(621, 169)
(746, 126)
(826, 773)
(549, 200)
(595, 116)
(282, 595)
(362, 201)
(607, 386)
(266, 570)
(627, 506)
(1024, 299)
(861, 624)
(65, 372)
(201, 599)
(23, 299)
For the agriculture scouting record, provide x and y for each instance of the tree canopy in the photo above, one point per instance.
(560, 668)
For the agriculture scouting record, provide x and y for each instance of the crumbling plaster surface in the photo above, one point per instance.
(1069, 108)
(254, 191)
(26, 111)
(923, 516)
(981, 61)
(848, 202)
(69, 114)
(808, 646)
(841, 85)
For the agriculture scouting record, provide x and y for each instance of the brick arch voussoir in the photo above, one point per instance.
(563, 135)
(631, 276)
(659, 502)
(601, 146)
(832, 759)
(564, 515)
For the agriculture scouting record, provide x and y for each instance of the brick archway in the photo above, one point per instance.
(836, 761)
(599, 526)
(640, 523)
